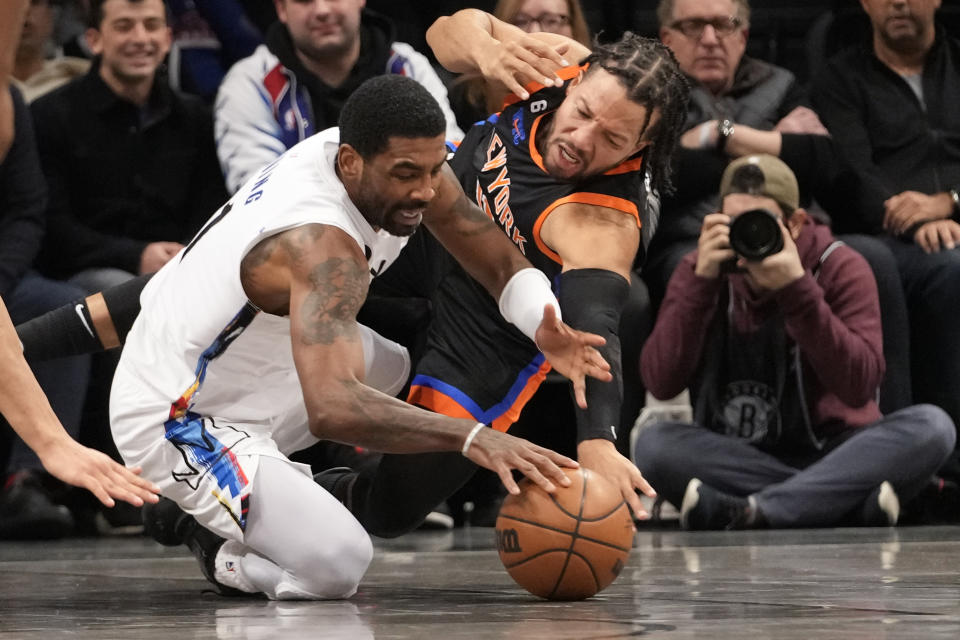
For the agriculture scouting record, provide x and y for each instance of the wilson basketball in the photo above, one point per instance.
(568, 545)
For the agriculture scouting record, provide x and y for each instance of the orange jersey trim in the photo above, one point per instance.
(627, 166)
(534, 152)
(439, 402)
(565, 73)
(596, 199)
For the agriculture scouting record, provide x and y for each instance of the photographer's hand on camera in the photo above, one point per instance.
(713, 247)
(778, 270)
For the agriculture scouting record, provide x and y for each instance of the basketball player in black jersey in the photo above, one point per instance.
(565, 169)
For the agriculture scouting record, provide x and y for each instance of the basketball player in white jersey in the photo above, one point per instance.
(247, 348)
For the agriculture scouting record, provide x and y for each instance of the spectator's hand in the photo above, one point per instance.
(702, 136)
(602, 457)
(92, 470)
(572, 353)
(520, 61)
(937, 235)
(777, 271)
(713, 247)
(802, 120)
(906, 209)
(502, 453)
(157, 254)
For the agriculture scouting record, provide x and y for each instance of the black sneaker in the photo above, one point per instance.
(338, 481)
(28, 512)
(937, 503)
(881, 508)
(169, 525)
(440, 519)
(122, 519)
(705, 508)
(166, 522)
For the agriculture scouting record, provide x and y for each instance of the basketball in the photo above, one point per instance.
(569, 545)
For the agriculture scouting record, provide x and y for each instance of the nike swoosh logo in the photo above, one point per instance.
(83, 319)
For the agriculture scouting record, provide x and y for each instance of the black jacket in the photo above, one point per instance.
(762, 94)
(890, 141)
(23, 197)
(121, 176)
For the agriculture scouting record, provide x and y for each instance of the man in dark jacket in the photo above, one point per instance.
(131, 165)
(740, 106)
(783, 358)
(891, 106)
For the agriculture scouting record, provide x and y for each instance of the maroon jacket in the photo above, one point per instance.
(834, 319)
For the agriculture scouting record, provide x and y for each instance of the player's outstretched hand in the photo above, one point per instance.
(572, 353)
(517, 62)
(92, 470)
(502, 453)
(602, 457)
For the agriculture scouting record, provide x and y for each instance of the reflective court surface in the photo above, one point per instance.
(840, 583)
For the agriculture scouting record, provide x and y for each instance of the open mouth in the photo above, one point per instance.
(568, 157)
(411, 215)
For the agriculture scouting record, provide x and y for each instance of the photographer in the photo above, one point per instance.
(783, 356)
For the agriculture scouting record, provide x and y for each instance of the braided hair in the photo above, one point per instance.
(649, 72)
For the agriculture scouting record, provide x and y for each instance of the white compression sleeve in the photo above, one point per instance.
(386, 363)
(523, 299)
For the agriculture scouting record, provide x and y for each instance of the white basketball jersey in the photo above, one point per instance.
(199, 345)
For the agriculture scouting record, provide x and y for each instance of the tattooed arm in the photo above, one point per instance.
(320, 276)
(471, 236)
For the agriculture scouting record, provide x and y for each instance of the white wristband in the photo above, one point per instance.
(523, 298)
(470, 436)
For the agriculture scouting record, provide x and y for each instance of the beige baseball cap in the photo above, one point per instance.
(762, 175)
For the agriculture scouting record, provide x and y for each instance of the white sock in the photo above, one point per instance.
(228, 569)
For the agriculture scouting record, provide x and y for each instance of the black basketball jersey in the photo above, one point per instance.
(500, 168)
(475, 363)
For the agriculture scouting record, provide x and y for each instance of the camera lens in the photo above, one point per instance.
(755, 234)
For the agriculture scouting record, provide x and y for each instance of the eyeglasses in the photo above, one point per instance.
(547, 21)
(693, 27)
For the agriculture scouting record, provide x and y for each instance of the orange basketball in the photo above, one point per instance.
(568, 545)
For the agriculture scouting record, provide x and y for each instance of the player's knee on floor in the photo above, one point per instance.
(330, 571)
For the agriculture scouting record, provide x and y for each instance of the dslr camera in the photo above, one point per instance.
(755, 234)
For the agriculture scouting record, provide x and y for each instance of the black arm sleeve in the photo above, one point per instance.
(591, 300)
(72, 330)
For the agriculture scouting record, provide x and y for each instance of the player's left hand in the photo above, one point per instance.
(602, 457)
(572, 353)
(92, 470)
